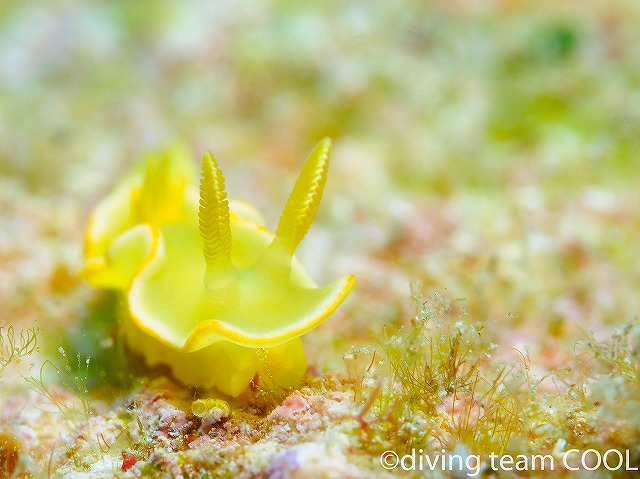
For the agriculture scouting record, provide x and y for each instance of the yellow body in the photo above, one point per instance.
(211, 292)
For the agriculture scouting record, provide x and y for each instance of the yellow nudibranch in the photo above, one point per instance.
(211, 292)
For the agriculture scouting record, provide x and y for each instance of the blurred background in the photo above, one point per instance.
(484, 149)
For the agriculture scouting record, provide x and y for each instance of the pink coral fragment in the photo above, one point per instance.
(292, 404)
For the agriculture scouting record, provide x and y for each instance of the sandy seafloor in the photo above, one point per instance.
(483, 190)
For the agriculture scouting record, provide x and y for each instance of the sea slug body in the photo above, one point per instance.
(208, 286)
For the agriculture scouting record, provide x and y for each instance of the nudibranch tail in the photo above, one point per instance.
(159, 198)
(160, 190)
(155, 182)
(215, 224)
(302, 205)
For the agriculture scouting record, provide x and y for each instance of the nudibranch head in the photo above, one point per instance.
(231, 279)
(206, 281)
